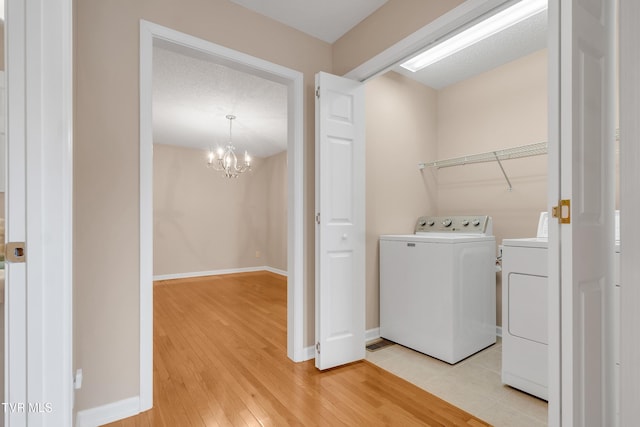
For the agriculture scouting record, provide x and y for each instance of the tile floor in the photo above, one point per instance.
(473, 384)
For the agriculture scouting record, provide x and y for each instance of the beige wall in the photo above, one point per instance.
(391, 23)
(501, 108)
(401, 132)
(205, 222)
(275, 177)
(106, 144)
(106, 160)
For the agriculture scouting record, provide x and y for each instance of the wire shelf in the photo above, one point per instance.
(529, 150)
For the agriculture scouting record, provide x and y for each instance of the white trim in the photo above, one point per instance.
(151, 33)
(499, 331)
(275, 271)
(146, 218)
(414, 43)
(55, 66)
(371, 334)
(309, 353)
(218, 273)
(109, 413)
(629, 15)
(554, 389)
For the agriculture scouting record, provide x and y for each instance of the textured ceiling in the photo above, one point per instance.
(326, 20)
(192, 96)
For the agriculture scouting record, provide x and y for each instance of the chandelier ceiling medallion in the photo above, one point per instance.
(225, 160)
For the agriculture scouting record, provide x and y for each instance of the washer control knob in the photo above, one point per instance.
(431, 223)
(476, 222)
(447, 222)
(465, 222)
(422, 222)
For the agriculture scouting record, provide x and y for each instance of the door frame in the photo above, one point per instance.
(151, 34)
(629, 60)
(39, 327)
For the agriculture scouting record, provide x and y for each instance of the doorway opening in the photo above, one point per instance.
(152, 35)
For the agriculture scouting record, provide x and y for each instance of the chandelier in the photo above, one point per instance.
(225, 160)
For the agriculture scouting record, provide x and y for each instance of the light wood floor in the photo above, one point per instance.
(220, 359)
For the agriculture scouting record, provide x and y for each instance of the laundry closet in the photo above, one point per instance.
(501, 108)
(464, 112)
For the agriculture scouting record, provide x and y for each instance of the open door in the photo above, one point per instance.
(38, 298)
(340, 221)
(581, 156)
(15, 292)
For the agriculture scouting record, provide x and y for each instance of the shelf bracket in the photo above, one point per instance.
(502, 169)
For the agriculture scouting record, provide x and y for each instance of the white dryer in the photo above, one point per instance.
(524, 310)
(437, 287)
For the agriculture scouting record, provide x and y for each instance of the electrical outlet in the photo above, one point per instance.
(77, 383)
(258, 254)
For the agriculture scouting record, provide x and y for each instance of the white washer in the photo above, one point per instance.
(524, 310)
(437, 287)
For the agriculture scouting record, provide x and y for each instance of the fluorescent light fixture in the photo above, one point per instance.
(486, 28)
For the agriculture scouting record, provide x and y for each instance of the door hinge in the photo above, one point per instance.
(562, 211)
(15, 252)
(318, 92)
(318, 218)
(318, 347)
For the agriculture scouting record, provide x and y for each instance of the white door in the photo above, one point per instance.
(340, 221)
(38, 365)
(15, 273)
(581, 135)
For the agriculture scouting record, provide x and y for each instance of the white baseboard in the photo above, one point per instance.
(309, 353)
(275, 270)
(218, 272)
(369, 335)
(109, 413)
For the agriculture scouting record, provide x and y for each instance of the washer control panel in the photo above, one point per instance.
(471, 224)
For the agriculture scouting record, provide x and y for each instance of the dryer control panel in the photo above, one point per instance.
(468, 224)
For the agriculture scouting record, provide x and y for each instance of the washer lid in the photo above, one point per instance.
(448, 238)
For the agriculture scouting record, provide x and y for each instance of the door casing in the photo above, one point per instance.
(151, 34)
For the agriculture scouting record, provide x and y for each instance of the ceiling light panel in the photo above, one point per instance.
(492, 25)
